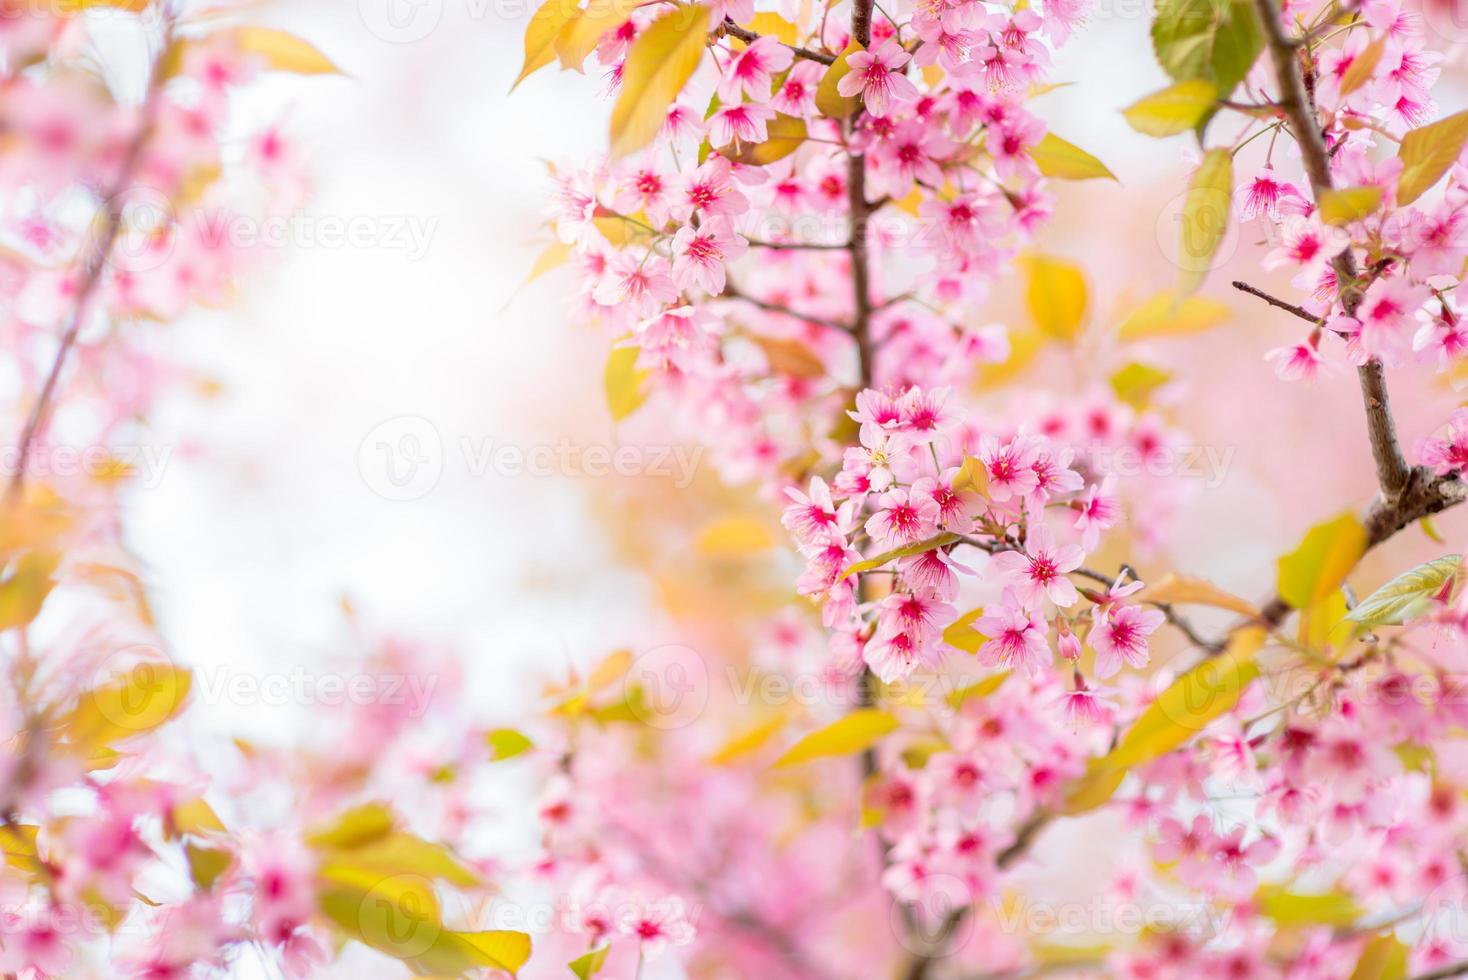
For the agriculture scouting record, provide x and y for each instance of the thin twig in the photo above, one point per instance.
(1278, 303)
(749, 37)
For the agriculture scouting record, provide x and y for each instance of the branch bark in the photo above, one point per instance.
(749, 37)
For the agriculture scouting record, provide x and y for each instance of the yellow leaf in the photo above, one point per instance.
(906, 551)
(354, 827)
(662, 59)
(506, 743)
(283, 51)
(133, 6)
(1341, 207)
(458, 952)
(790, 357)
(1167, 315)
(24, 592)
(1186, 590)
(1196, 698)
(1383, 958)
(1059, 158)
(961, 634)
(1135, 383)
(554, 255)
(1286, 908)
(1323, 626)
(1176, 109)
(145, 697)
(18, 845)
(1427, 153)
(1204, 218)
(1180, 712)
(624, 382)
(972, 475)
(829, 100)
(1363, 66)
(748, 741)
(541, 34)
(773, 25)
(980, 689)
(852, 733)
(583, 29)
(398, 853)
(194, 817)
(1055, 293)
(786, 133)
(206, 864)
(1322, 561)
(1024, 346)
(739, 534)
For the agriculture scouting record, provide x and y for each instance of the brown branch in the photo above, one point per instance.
(749, 37)
(1278, 303)
(733, 293)
(1443, 973)
(94, 263)
(1392, 471)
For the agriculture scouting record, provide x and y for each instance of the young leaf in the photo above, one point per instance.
(829, 101)
(1055, 294)
(662, 59)
(1383, 958)
(206, 864)
(1336, 909)
(25, 591)
(282, 51)
(748, 741)
(852, 733)
(1205, 218)
(541, 33)
(1185, 590)
(786, 133)
(906, 551)
(979, 689)
(1135, 383)
(1363, 66)
(961, 634)
(141, 700)
(1191, 702)
(624, 382)
(506, 743)
(1218, 40)
(1176, 109)
(1427, 152)
(1167, 315)
(1322, 561)
(584, 28)
(1341, 207)
(1063, 160)
(587, 965)
(1408, 594)
(737, 534)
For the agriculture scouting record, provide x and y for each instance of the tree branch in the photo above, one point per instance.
(749, 37)
(1392, 471)
(1278, 303)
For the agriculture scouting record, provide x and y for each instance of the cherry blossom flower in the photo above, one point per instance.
(875, 75)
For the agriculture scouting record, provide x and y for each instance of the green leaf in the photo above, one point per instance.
(587, 965)
(786, 134)
(1383, 958)
(506, 743)
(1427, 153)
(1217, 40)
(906, 551)
(1064, 160)
(852, 733)
(829, 100)
(1177, 109)
(624, 382)
(1204, 218)
(1322, 561)
(1407, 595)
(1342, 207)
(1055, 294)
(661, 61)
